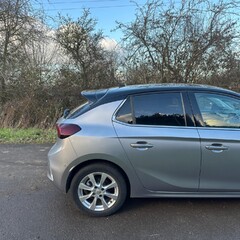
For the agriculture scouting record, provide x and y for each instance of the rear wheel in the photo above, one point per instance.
(99, 189)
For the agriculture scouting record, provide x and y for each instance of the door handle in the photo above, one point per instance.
(216, 147)
(141, 145)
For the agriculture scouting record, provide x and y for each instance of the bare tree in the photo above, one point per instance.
(82, 43)
(183, 41)
(16, 27)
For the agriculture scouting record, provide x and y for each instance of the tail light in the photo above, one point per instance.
(66, 130)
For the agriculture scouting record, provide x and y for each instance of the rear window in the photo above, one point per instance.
(93, 96)
(79, 110)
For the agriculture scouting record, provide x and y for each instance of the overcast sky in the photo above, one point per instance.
(107, 12)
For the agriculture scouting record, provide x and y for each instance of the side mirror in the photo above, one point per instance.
(66, 112)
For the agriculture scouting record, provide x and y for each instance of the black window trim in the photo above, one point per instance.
(132, 110)
(187, 110)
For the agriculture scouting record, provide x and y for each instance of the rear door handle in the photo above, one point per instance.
(141, 145)
(216, 147)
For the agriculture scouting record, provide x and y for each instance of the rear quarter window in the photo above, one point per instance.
(124, 114)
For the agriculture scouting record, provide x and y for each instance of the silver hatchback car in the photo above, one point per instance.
(148, 141)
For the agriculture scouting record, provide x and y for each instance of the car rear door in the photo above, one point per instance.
(160, 140)
(219, 129)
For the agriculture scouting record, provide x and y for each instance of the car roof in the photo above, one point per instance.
(117, 93)
(131, 89)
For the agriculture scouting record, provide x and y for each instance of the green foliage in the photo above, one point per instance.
(30, 135)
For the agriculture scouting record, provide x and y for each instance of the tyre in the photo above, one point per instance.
(99, 189)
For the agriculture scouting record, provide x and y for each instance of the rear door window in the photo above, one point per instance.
(163, 109)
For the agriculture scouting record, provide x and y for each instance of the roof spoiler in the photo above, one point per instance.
(94, 95)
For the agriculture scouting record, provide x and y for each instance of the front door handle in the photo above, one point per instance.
(141, 145)
(216, 147)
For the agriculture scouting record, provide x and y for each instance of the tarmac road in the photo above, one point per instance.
(31, 207)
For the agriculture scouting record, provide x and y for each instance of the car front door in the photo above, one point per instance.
(220, 141)
(164, 151)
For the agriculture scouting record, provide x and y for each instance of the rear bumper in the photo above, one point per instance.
(59, 157)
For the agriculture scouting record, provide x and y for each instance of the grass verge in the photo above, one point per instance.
(29, 135)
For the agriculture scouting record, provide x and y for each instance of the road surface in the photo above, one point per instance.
(31, 207)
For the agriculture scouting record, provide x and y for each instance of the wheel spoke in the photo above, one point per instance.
(111, 195)
(104, 204)
(103, 178)
(85, 187)
(85, 197)
(93, 204)
(113, 184)
(92, 179)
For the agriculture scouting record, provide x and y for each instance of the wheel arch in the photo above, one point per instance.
(75, 170)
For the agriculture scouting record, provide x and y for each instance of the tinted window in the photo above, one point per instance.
(219, 110)
(125, 113)
(79, 110)
(159, 109)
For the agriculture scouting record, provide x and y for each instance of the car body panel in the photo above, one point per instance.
(60, 156)
(220, 146)
(172, 164)
(97, 142)
(220, 169)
